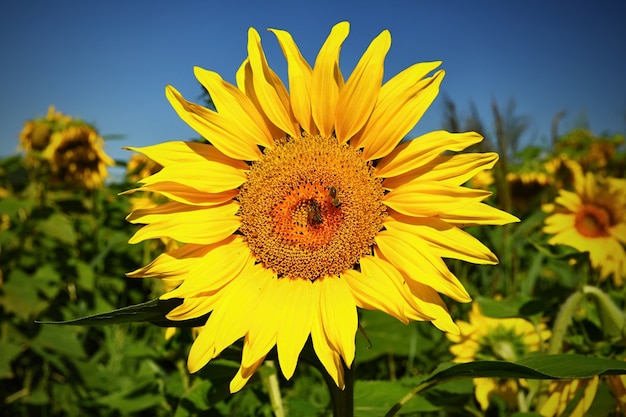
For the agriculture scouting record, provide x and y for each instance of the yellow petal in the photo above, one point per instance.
(476, 213)
(296, 321)
(245, 83)
(358, 96)
(269, 89)
(185, 194)
(338, 314)
(300, 74)
(243, 375)
(172, 264)
(192, 308)
(396, 112)
(222, 132)
(227, 324)
(328, 357)
(222, 263)
(374, 289)
(411, 255)
(452, 170)
(188, 224)
(446, 240)
(430, 198)
(421, 150)
(230, 102)
(327, 79)
(207, 176)
(178, 152)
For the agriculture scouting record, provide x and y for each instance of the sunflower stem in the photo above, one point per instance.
(342, 399)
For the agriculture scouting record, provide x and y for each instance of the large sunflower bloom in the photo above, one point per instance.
(592, 218)
(488, 338)
(304, 207)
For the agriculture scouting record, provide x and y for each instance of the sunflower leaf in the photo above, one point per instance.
(562, 366)
(153, 311)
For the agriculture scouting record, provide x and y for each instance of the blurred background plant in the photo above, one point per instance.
(64, 254)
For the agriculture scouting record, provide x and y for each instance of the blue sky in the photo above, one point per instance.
(109, 62)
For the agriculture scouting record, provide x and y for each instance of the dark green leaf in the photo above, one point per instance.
(153, 311)
(59, 227)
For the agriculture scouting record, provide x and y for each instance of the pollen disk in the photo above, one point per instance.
(311, 207)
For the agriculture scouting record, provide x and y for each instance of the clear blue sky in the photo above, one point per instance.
(108, 61)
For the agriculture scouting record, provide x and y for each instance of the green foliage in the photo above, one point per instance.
(64, 254)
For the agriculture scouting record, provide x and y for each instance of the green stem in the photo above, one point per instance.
(273, 389)
(563, 320)
(342, 399)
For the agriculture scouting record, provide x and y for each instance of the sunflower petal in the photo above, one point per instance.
(177, 262)
(396, 112)
(409, 254)
(230, 102)
(244, 374)
(446, 241)
(339, 318)
(430, 198)
(269, 89)
(421, 150)
(296, 322)
(225, 134)
(328, 357)
(181, 222)
(358, 96)
(209, 177)
(300, 74)
(452, 170)
(327, 79)
(185, 194)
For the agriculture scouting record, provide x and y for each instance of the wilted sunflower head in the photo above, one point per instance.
(304, 206)
(592, 218)
(77, 158)
(35, 135)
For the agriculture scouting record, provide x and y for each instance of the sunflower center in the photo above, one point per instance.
(311, 207)
(593, 221)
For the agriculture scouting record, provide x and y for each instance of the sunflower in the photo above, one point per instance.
(36, 133)
(592, 218)
(304, 206)
(487, 338)
(76, 156)
(563, 392)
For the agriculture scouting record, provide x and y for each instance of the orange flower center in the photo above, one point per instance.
(593, 221)
(311, 208)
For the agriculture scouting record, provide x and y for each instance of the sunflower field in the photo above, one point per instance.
(306, 256)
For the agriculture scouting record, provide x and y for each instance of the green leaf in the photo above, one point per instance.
(386, 334)
(374, 398)
(20, 295)
(59, 227)
(8, 352)
(561, 366)
(153, 311)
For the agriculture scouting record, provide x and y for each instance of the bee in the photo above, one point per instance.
(314, 216)
(332, 191)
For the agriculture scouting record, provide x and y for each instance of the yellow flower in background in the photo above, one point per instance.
(305, 206)
(526, 187)
(592, 218)
(563, 170)
(77, 158)
(36, 133)
(617, 385)
(563, 392)
(139, 166)
(487, 338)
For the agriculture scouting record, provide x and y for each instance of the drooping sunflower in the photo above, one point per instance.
(36, 133)
(592, 218)
(304, 206)
(489, 338)
(76, 156)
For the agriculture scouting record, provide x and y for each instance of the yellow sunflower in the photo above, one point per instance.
(488, 338)
(592, 218)
(563, 392)
(76, 157)
(35, 135)
(305, 206)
